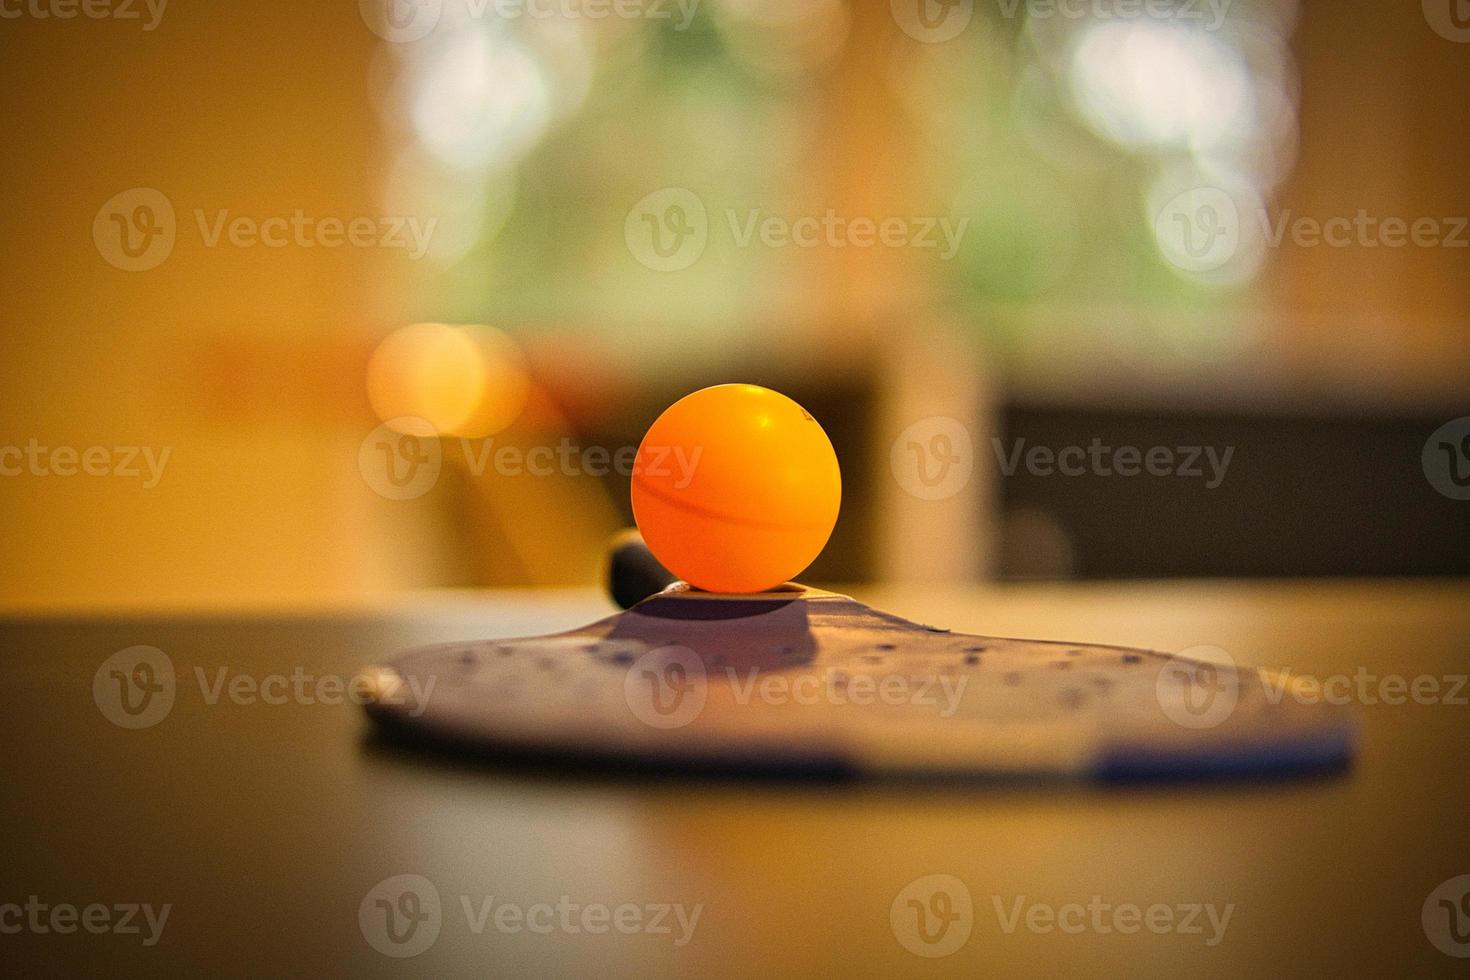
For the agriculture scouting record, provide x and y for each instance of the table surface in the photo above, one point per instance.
(264, 827)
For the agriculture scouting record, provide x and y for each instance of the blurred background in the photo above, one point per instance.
(305, 302)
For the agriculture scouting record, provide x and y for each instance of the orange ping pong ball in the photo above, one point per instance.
(736, 488)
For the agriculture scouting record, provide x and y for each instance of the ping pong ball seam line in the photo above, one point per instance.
(703, 511)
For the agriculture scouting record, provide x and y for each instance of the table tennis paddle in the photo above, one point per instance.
(797, 679)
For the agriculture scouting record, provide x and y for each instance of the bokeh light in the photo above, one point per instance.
(481, 101)
(1153, 83)
(464, 381)
(783, 37)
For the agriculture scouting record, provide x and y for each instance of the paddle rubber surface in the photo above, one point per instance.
(800, 679)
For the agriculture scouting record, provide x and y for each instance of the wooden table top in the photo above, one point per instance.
(267, 828)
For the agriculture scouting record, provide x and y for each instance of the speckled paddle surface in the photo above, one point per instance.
(803, 680)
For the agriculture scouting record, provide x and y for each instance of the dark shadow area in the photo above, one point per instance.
(400, 745)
